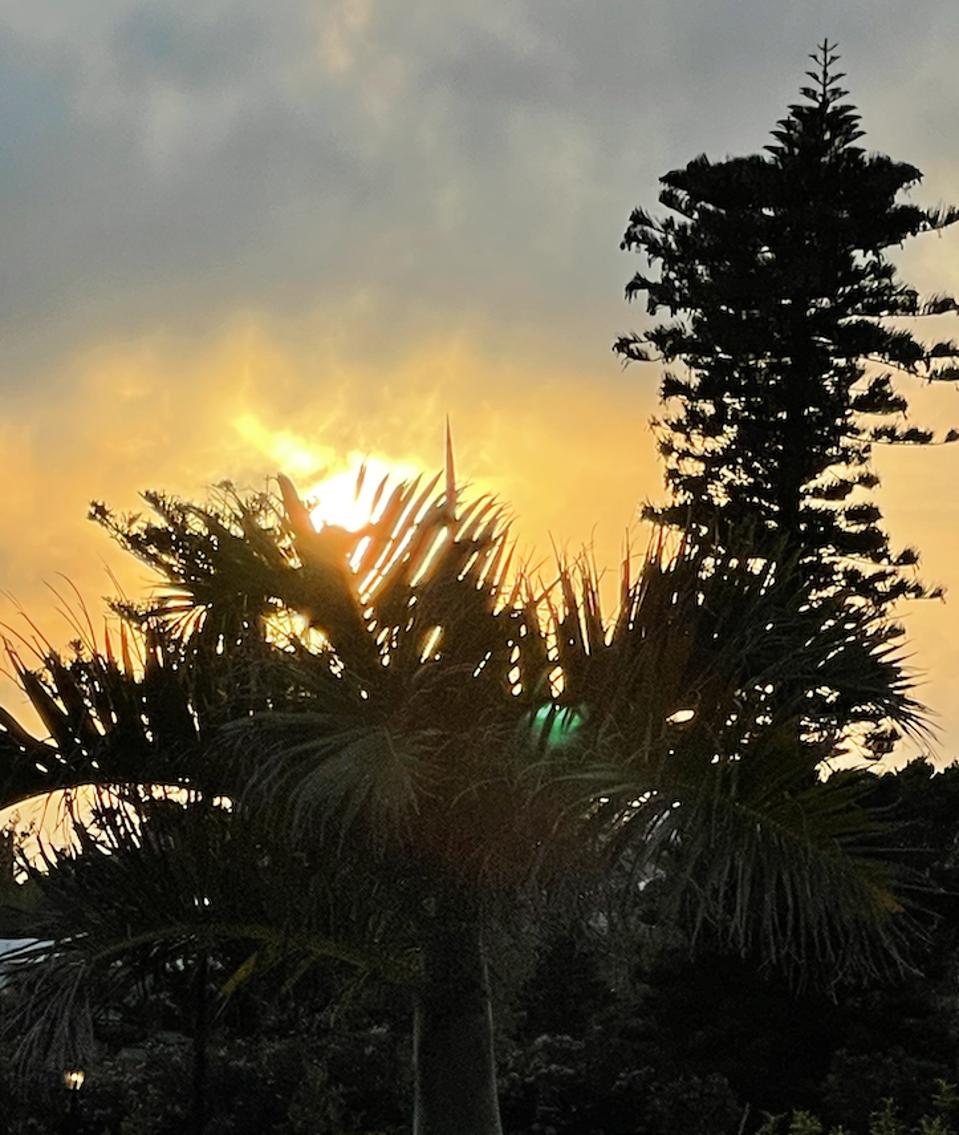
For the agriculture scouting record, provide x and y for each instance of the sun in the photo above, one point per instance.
(338, 488)
(349, 497)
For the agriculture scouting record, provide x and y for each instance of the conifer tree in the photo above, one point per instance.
(774, 271)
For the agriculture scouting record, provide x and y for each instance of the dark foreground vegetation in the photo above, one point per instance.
(373, 826)
(637, 1036)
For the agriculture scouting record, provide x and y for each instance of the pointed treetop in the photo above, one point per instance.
(823, 124)
(826, 79)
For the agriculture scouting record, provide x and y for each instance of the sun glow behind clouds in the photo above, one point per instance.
(293, 454)
(339, 488)
(352, 496)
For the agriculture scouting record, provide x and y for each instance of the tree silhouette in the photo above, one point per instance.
(774, 271)
(413, 737)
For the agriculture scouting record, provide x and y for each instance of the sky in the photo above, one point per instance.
(242, 237)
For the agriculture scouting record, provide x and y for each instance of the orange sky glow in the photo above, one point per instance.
(301, 239)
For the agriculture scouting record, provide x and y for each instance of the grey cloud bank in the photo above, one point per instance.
(459, 164)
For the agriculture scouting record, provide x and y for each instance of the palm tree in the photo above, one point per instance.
(413, 735)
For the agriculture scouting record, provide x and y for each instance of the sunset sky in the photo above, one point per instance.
(240, 237)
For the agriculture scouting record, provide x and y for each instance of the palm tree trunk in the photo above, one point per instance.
(453, 1062)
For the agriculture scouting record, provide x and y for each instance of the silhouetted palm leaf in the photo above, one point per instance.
(393, 704)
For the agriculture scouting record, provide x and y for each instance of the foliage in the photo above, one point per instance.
(565, 1085)
(883, 1119)
(712, 1014)
(774, 272)
(315, 1081)
(858, 1082)
(385, 739)
(709, 1033)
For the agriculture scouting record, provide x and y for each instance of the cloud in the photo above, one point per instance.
(253, 399)
(458, 165)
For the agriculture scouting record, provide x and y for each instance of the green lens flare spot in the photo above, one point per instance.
(557, 725)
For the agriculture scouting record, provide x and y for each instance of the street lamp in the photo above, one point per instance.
(73, 1081)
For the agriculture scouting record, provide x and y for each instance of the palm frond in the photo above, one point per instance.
(403, 709)
(150, 882)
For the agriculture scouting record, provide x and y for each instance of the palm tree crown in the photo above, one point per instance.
(401, 710)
